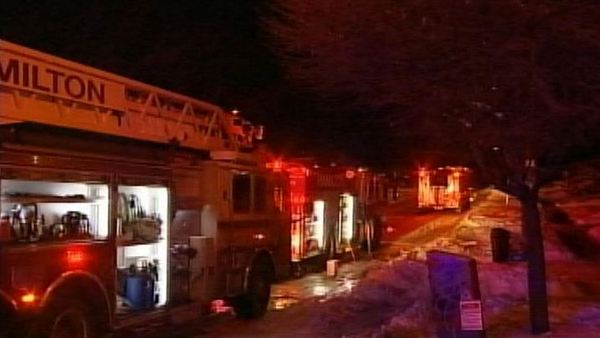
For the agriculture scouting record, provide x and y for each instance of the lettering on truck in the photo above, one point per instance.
(21, 71)
(51, 81)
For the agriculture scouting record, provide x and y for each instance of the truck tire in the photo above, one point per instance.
(67, 318)
(253, 304)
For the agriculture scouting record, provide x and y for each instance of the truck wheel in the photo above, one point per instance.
(67, 319)
(254, 303)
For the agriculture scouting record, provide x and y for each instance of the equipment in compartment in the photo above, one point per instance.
(76, 224)
(26, 224)
(139, 291)
(138, 286)
(41, 211)
(142, 250)
(136, 224)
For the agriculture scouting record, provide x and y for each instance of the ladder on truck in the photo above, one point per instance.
(40, 88)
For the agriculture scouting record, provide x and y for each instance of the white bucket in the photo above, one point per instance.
(332, 267)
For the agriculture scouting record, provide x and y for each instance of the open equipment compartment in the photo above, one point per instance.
(142, 247)
(38, 211)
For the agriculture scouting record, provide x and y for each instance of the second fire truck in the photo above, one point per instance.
(331, 209)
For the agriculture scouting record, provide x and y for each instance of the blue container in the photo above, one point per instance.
(139, 291)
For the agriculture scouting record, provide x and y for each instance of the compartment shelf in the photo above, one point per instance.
(30, 199)
(133, 242)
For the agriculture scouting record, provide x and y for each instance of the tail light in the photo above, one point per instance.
(76, 258)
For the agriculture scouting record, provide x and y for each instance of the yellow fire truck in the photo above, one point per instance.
(444, 188)
(124, 204)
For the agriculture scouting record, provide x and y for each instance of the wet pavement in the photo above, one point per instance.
(290, 305)
(291, 301)
(319, 286)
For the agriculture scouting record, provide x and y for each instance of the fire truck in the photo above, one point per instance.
(444, 188)
(331, 209)
(123, 204)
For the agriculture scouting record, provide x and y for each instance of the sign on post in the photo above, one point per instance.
(456, 295)
(471, 318)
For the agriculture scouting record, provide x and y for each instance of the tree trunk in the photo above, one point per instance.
(536, 263)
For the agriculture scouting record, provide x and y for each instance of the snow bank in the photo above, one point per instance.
(574, 307)
(395, 298)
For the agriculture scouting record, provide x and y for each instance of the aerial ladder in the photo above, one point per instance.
(36, 87)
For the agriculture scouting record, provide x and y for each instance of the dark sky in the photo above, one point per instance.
(196, 47)
(211, 50)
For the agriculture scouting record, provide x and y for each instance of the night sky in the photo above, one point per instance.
(212, 50)
(391, 83)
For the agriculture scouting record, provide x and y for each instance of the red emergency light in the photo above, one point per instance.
(276, 165)
(350, 174)
(219, 306)
(75, 258)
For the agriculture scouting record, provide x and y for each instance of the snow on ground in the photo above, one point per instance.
(393, 298)
(395, 301)
(394, 292)
(583, 210)
(574, 293)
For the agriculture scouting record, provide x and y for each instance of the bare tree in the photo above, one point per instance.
(516, 83)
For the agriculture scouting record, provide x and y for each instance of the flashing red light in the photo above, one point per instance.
(276, 165)
(219, 306)
(389, 229)
(297, 171)
(350, 174)
(75, 258)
